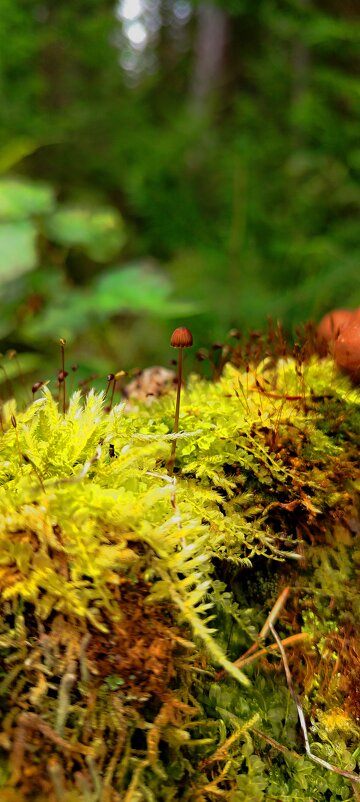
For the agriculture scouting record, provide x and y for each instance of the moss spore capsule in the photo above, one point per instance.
(235, 333)
(62, 375)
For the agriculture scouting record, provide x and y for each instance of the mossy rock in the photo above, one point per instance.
(128, 595)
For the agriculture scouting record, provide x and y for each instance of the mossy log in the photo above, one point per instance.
(134, 662)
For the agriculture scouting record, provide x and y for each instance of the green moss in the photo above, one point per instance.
(123, 591)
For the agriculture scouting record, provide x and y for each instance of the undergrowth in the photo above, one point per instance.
(128, 597)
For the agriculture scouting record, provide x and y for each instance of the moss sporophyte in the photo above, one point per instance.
(147, 620)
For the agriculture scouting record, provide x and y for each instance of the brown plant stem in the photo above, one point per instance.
(62, 376)
(275, 744)
(273, 647)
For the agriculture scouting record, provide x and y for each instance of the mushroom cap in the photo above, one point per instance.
(347, 349)
(181, 338)
(330, 327)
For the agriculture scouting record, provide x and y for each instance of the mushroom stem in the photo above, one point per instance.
(181, 338)
(178, 393)
(177, 411)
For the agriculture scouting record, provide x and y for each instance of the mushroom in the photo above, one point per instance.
(181, 338)
(330, 327)
(347, 349)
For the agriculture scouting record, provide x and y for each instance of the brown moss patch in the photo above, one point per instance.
(140, 649)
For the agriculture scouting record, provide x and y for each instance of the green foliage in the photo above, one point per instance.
(122, 589)
(22, 199)
(99, 232)
(40, 242)
(18, 253)
(250, 205)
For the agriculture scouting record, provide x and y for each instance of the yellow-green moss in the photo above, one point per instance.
(123, 590)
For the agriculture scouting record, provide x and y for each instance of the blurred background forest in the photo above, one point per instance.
(169, 162)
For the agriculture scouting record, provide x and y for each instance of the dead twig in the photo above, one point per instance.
(355, 778)
(31, 721)
(273, 615)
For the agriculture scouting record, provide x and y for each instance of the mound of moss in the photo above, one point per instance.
(131, 667)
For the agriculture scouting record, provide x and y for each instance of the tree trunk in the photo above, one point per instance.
(209, 47)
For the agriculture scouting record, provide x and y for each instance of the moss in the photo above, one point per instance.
(125, 592)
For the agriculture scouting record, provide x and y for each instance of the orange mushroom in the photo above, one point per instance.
(330, 327)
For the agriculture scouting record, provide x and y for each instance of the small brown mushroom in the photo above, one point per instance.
(181, 338)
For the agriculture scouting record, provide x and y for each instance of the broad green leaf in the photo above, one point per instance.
(138, 287)
(24, 363)
(14, 151)
(17, 249)
(69, 316)
(100, 232)
(19, 199)
(133, 286)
